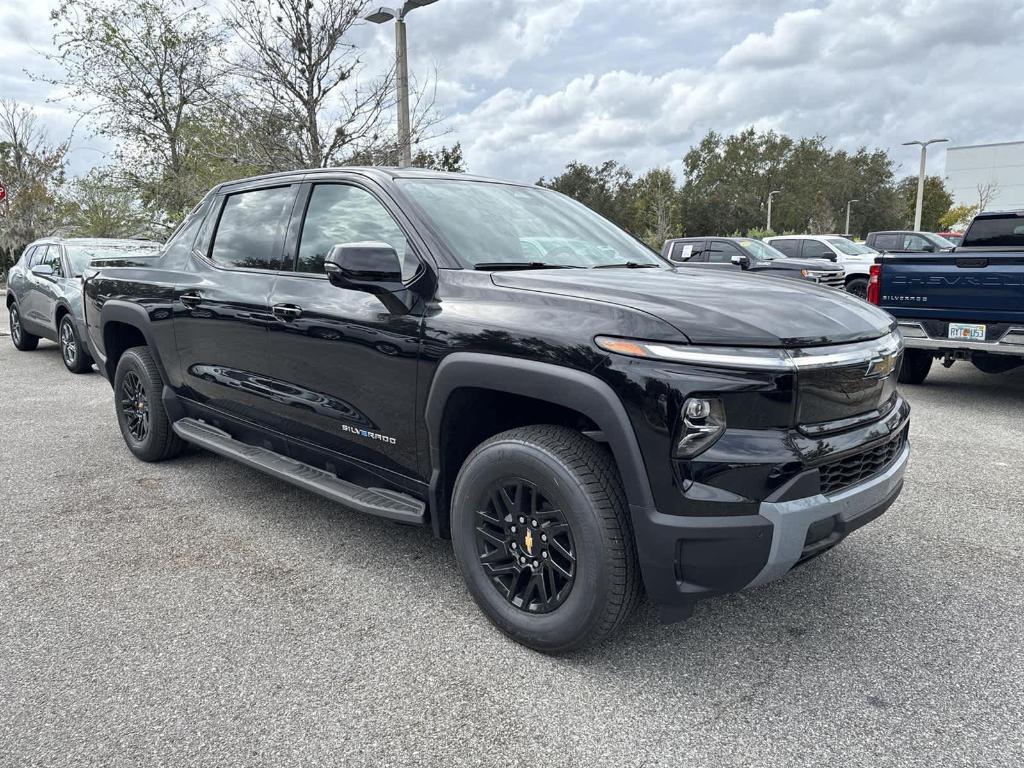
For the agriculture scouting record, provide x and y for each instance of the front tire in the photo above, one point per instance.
(23, 340)
(858, 286)
(916, 364)
(543, 538)
(144, 425)
(72, 350)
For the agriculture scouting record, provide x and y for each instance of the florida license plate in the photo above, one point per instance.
(966, 332)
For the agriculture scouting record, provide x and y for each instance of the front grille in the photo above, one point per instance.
(832, 279)
(842, 473)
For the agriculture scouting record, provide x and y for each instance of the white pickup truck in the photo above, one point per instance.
(855, 258)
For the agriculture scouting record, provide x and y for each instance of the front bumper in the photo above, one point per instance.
(684, 559)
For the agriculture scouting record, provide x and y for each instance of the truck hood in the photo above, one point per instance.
(719, 308)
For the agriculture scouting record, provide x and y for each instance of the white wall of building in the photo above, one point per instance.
(984, 164)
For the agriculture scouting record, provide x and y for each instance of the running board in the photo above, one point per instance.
(373, 501)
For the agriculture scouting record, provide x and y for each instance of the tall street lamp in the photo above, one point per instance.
(771, 194)
(920, 177)
(851, 202)
(382, 15)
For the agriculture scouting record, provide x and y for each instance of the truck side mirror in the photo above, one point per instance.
(928, 248)
(373, 267)
(740, 260)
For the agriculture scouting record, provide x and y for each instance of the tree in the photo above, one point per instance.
(151, 69)
(444, 159)
(656, 207)
(32, 170)
(936, 203)
(101, 205)
(606, 189)
(957, 218)
(987, 192)
(298, 58)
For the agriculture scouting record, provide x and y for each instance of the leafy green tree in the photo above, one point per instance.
(936, 203)
(144, 71)
(100, 204)
(32, 171)
(607, 189)
(957, 218)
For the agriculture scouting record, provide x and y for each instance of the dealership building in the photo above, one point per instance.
(997, 168)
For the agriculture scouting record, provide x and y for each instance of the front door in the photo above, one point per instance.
(221, 303)
(344, 364)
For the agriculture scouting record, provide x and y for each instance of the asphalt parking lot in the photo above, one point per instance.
(198, 613)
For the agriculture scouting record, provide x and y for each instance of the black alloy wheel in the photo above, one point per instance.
(526, 546)
(135, 406)
(858, 287)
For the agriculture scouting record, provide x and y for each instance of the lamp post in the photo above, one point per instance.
(920, 177)
(848, 204)
(382, 15)
(771, 194)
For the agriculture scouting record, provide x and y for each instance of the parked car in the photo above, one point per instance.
(582, 431)
(44, 293)
(906, 241)
(954, 237)
(965, 305)
(750, 255)
(855, 258)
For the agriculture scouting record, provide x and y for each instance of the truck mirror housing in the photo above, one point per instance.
(373, 267)
(740, 260)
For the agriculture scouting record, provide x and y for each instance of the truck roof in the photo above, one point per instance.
(378, 172)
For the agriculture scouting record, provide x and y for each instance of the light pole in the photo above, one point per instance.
(771, 194)
(920, 178)
(382, 15)
(851, 202)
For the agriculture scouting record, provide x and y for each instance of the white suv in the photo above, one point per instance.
(855, 258)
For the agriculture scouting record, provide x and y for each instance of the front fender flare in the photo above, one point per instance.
(567, 387)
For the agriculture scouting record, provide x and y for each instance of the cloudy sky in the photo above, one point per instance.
(529, 85)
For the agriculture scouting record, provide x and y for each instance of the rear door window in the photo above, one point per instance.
(790, 247)
(887, 242)
(251, 230)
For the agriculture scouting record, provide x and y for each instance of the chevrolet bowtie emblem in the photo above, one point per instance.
(528, 541)
(880, 367)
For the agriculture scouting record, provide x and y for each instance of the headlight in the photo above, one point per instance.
(702, 422)
(788, 360)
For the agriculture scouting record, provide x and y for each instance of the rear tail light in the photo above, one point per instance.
(875, 275)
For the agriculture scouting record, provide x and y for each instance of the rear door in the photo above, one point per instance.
(344, 366)
(789, 246)
(221, 304)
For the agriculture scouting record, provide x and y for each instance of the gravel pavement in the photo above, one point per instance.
(197, 613)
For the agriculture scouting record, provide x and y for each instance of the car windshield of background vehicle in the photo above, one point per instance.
(493, 224)
(938, 241)
(843, 245)
(81, 255)
(760, 250)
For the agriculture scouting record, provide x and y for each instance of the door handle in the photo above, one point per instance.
(191, 299)
(286, 312)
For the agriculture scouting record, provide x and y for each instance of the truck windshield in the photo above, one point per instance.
(843, 245)
(81, 255)
(760, 250)
(491, 224)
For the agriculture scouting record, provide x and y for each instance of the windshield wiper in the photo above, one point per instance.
(625, 265)
(500, 265)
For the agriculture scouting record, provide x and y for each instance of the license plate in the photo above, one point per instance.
(966, 332)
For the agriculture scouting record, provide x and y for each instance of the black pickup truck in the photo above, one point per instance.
(583, 420)
(966, 304)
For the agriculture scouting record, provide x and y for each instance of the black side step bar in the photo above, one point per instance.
(373, 501)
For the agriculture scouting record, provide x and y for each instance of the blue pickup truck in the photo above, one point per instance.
(967, 304)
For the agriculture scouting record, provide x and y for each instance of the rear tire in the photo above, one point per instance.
(23, 340)
(916, 364)
(858, 286)
(72, 350)
(138, 388)
(567, 490)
